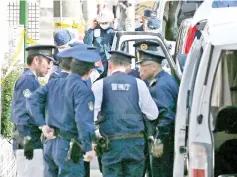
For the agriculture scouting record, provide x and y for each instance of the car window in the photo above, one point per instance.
(224, 91)
(127, 46)
(224, 88)
(223, 4)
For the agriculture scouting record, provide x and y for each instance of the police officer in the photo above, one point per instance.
(38, 65)
(51, 95)
(149, 22)
(120, 101)
(101, 35)
(95, 74)
(164, 90)
(63, 39)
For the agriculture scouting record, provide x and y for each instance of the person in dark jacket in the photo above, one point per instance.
(72, 123)
(164, 90)
(101, 35)
(38, 65)
(149, 22)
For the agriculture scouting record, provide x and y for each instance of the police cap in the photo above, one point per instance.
(43, 50)
(82, 53)
(72, 51)
(149, 55)
(149, 13)
(62, 37)
(115, 54)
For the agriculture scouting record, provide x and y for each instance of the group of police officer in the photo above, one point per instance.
(128, 122)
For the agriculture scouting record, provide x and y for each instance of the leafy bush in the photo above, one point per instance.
(7, 87)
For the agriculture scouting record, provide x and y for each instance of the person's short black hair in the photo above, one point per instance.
(65, 63)
(119, 62)
(30, 59)
(80, 67)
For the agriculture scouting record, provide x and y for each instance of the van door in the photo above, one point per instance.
(183, 108)
(200, 137)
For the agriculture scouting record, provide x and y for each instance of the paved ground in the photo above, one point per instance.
(95, 172)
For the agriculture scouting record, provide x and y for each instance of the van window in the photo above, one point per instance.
(224, 91)
(127, 46)
(223, 4)
(170, 28)
(175, 12)
(224, 97)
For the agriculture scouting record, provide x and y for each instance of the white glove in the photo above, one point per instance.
(97, 134)
(89, 156)
(157, 149)
(48, 132)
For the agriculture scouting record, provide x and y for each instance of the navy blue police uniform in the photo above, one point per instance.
(164, 90)
(54, 97)
(103, 40)
(147, 45)
(26, 84)
(134, 72)
(122, 124)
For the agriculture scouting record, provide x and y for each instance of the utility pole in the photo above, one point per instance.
(130, 13)
(24, 21)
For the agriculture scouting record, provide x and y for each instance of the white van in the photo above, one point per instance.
(207, 89)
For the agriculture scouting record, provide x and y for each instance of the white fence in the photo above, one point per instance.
(7, 159)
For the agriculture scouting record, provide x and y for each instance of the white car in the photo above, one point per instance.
(124, 41)
(207, 89)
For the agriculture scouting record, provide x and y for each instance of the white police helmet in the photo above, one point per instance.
(105, 15)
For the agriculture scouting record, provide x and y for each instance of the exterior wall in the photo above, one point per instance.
(46, 22)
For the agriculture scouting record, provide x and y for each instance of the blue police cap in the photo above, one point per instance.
(82, 53)
(149, 13)
(72, 51)
(115, 54)
(89, 55)
(149, 55)
(43, 50)
(153, 23)
(62, 37)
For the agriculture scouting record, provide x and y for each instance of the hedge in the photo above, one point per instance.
(7, 92)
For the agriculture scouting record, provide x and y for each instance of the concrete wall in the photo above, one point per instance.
(46, 22)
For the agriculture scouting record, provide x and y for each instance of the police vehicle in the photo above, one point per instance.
(124, 41)
(206, 118)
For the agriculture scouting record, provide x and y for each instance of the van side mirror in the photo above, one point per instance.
(229, 175)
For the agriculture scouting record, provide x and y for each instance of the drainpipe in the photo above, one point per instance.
(24, 21)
